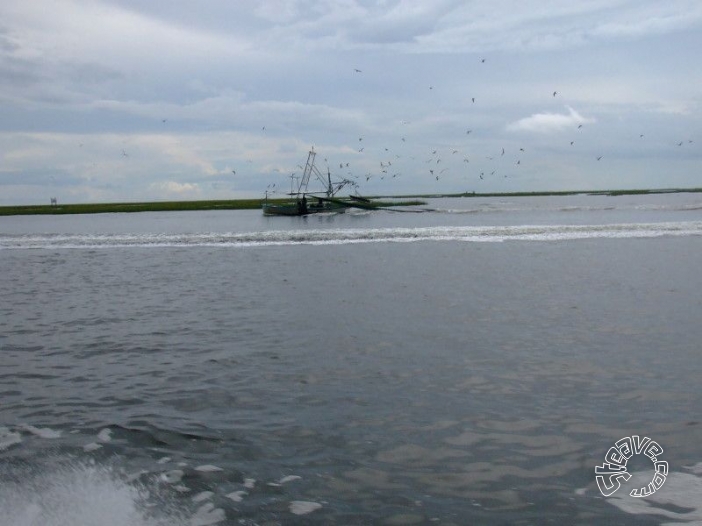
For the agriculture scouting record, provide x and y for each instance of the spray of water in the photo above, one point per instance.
(79, 493)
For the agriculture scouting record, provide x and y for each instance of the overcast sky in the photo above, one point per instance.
(126, 100)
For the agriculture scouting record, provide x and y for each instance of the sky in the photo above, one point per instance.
(125, 100)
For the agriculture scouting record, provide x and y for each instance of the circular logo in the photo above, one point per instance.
(609, 475)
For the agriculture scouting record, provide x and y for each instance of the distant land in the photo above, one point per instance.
(252, 204)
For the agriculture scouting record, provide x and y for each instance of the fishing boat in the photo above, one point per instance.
(303, 201)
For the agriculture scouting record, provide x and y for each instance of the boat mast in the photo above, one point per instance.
(309, 167)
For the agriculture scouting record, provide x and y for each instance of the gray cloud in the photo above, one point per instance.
(192, 93)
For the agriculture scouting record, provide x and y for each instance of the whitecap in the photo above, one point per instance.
(8, 438)
(163, 460)
(203, 495)
(249, 483)
(104, 435)
(303, 507)
(236, 496)
(289, 478)
(207, 514)
(91, 447)
(171, 477)
(41, 432)
(80, 494)
(208, 468)
(678, 499)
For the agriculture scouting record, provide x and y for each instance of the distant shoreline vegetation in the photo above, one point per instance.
(253, 204)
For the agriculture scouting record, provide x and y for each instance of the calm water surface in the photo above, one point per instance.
(471, 364)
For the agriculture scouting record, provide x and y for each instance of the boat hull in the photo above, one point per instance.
(294, 209)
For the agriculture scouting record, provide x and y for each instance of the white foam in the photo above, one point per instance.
(163, 460)
(682, 490)
(172, 477)
(303, 507)
(93, 446)
(8, 438)
(80, 495)
(289, 478)
(104, 435)
(357, 235)
(249, 483)
(237, 496)
(44, 432)
(207, 514)
(208, 468)
(203, 495)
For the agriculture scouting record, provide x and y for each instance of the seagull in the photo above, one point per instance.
(358, 70)
(124, 154)
(554, 93)
(580, 126)
(468, 132)
(473, 99)
(482, 60)
(234, 172)
(600, 157)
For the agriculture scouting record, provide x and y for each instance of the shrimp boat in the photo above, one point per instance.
(304, 202)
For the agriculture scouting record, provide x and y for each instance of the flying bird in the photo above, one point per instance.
(554, 93)
(358, 70)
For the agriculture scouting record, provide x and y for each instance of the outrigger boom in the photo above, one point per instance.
(324, 200)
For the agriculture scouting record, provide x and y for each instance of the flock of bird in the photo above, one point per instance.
(388, 162)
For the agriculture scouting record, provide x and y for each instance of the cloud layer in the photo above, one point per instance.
(401, 95)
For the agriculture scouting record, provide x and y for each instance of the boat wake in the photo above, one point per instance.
(348, 236)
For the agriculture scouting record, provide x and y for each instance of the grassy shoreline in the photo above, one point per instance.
(253, 204)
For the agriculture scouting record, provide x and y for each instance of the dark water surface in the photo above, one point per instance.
(470, 365)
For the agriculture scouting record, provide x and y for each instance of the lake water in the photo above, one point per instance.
(467, 362)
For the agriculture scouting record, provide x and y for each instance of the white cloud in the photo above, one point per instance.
(549, 122)
(168, 189)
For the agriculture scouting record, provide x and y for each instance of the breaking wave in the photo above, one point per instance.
(348, 236)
